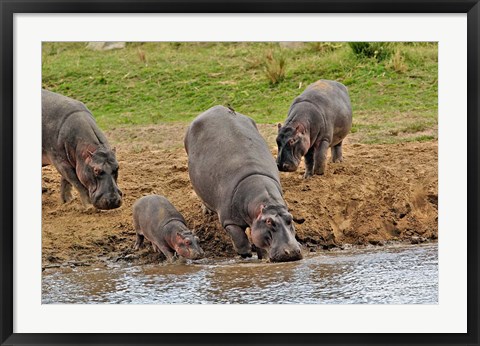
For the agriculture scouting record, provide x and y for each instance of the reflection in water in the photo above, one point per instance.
(394, 275)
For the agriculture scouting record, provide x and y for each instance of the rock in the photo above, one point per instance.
(105, 45)
(415, 240)
(292, 45)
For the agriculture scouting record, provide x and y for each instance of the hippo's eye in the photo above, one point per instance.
(188, 242)
(269, 222)
(291, 141)
(98, 172)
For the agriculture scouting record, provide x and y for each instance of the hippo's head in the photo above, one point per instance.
(99, 176)
(293, 143)
(188, 245)
(273, 231)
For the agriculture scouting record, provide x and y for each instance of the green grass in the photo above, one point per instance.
(148, 83)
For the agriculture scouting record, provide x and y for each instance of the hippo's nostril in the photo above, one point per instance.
(287, 252)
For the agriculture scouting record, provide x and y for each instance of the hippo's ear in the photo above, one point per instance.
(260, 211)
(114, 150)
(300, 128)
(279, 125)
(87, 155)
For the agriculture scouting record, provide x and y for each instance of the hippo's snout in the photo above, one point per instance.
(195, 255)
(191, 253)
(109, 202)
(286, 254)
(285, 167)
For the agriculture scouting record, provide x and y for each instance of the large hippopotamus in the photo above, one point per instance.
(234, 173)
(156, 219)
(73, 143)
(318, 119)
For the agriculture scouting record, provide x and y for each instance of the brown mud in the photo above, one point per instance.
(379, 194)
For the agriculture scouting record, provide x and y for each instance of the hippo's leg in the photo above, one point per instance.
(337, 153)
(309, 163)
(320, 157)
(206, 211)
(139, 243)
(240, 240)
(65, 190)
(169, 253)
(68, 173)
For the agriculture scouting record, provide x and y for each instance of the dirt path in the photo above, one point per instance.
(380, 193)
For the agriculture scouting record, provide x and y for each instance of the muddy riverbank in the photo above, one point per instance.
(379, 194)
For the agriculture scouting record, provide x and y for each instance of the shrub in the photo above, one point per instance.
(275, 67)
(377, 50)
(397, 63)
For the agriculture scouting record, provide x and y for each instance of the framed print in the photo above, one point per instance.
(239, 173)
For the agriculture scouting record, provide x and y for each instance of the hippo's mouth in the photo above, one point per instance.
(287, 168)
(287, 258)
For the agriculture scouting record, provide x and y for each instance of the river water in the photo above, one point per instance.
(381, 275)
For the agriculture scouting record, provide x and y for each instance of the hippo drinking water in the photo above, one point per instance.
(234, 173)
(318, 119)
(73, 143)
(156, 219)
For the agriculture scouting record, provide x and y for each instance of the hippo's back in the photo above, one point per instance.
(223, 148)
(155, 210)
(56, 106)
(56, 111)
(332, 95)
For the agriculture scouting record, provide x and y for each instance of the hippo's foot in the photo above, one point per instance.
(261, 253)
(307, 175)
(246, 255)
(65, 191)
(89, 208)
(337, 153)
(67, 198)
(319, 171)
(139, 244)
(337, 159)
(206, 211)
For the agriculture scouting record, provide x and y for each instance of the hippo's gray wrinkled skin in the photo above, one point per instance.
(73, 143)
(234, 173)
(156, 219)
(318, 119)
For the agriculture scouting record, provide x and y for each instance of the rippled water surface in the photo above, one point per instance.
(390, 275)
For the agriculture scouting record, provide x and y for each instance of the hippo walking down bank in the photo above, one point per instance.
(234, 173)
(318, 119)
(156, 219)
(73, 143)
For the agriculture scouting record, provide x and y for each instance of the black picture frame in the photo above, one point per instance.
(7, 176)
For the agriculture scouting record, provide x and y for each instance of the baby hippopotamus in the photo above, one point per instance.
(155, 218)
(318, 119)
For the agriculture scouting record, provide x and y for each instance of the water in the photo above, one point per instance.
(389, 275)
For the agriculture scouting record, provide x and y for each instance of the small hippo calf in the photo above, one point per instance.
(318, 119)
(73, 143)
(155, 218)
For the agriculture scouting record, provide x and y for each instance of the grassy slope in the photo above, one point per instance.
(393, 100)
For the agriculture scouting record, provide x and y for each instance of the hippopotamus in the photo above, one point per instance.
(73, 143)
(234, 173)
(318, 119)
(156, 219)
